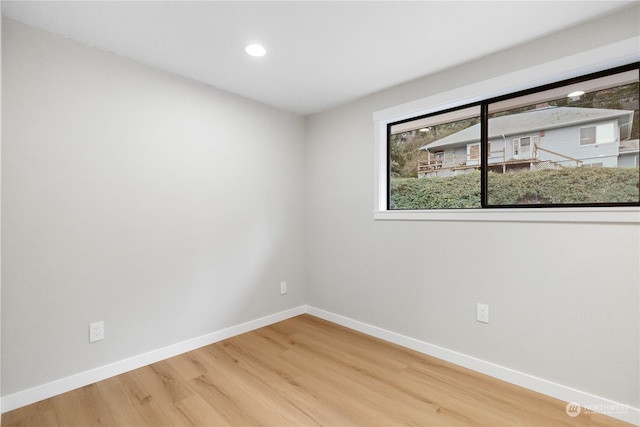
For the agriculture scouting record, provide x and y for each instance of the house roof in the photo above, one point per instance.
(532, 121)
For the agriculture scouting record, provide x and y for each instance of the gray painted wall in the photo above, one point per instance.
(1, 102)
(164, 207)
(170, 210)
(564, 298)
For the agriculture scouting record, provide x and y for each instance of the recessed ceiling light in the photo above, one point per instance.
(255, 50)
(576, 93)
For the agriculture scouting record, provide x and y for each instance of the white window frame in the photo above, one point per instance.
(476, 160)
(615, 139)
(517, 142)
(594, 60)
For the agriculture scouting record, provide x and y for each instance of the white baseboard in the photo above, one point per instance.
(589, 401)
(567, 394)
(63, 385)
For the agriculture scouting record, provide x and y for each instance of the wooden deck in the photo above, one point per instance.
(498, 162)
(452, 169)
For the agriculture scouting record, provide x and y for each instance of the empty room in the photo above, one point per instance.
(320, 213)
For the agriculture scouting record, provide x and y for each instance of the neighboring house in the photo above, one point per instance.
(545, 138)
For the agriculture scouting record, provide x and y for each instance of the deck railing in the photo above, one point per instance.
(578, 162)
(459, 161)
(496, 158)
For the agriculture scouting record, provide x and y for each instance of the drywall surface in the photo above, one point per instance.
(563, 298)
(0, 210)
(164, 207)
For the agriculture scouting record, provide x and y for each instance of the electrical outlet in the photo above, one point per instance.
(96, 331)
(283, 288)
(482, 313)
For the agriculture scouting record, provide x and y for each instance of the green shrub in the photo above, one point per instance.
(461, 191)
(563, 186)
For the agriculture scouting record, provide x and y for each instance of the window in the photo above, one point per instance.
(566, 144)
(422, 164)
(522, 148)
(601, 134)
(473, 153)
(588, 135)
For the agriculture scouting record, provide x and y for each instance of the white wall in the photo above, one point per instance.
(0, 212)
(564, 298)
(164, 207)
(170, 209)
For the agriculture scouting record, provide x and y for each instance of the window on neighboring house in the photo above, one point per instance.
(473, 153)
(520, 149)
(601, 134)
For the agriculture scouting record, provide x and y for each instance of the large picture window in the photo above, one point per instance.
(571, 143)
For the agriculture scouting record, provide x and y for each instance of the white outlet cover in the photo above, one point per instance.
(482, 313)
(283, 288)
(96, 331)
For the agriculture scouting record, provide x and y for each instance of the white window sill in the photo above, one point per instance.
(620, 215)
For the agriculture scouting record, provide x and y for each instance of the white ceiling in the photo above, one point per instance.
(320, 54)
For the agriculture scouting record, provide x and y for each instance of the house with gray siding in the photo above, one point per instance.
(544, 138)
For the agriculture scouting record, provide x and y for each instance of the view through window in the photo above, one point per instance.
(434, 161)
(570, 144)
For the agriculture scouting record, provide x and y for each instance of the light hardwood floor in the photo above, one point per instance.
(301, 372)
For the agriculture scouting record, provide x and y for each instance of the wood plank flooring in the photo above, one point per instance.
(301, 372)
